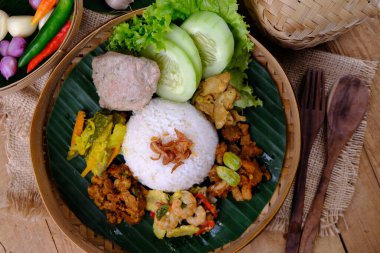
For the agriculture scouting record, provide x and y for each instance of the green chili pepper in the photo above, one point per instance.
(228, 175)
(232, 161)
(48, 31)
(162, 211)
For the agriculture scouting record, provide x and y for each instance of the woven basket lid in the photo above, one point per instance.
(301, 24)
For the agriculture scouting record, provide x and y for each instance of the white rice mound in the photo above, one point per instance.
(159, 119)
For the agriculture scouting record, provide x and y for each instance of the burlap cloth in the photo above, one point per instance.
(16, 111)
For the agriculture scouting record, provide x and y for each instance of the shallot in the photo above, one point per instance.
(16, 47)
(119, 4)
(8, 66)
(34, 3)
(4, 47)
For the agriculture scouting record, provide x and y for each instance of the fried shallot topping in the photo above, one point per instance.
(174, 151)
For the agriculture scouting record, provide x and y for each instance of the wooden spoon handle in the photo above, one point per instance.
(311, 227)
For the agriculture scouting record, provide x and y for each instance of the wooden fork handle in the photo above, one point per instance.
(311, 227)
(310, 130)
(295, 222)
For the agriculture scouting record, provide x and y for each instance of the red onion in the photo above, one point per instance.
(16, 47)
(34, 3)
(4, 47)
(8, 66)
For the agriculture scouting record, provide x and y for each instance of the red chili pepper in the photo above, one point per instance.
(50, 48)
(207, 204)
(152, 214)
(206, 227)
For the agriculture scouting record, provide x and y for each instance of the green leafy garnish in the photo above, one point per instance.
(136, 34)
(162, 211)
(239, 82)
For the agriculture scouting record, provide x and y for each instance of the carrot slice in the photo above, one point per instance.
(43, 8)
(88, 168)
(78, 129)
(115, 152)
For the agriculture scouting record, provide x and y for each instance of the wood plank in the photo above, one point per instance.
(62, 242)
(20, 235)
(362, 216)
(362, 42)
(272, 242)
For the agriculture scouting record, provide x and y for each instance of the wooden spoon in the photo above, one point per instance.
(347, 105)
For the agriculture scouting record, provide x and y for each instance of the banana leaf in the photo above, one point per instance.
(268, 129)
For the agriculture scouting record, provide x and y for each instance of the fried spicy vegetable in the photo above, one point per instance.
(99, 142)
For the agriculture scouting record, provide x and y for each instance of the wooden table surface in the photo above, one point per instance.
(360, 230)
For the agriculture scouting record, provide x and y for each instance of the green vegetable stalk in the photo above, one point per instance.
(48, 31)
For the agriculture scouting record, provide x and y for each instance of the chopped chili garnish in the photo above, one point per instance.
(208, 206)
(205, 227)
(174, 151)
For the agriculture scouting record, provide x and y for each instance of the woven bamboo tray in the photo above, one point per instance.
(53, 59)
(299, 24)
(71, 225)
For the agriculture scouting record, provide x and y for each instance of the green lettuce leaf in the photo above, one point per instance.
(239, 82)
(137, 34)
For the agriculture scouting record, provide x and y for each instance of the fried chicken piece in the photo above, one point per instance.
(232, 147)
(219, 189)
(220, 150)
(231, 133)
(250, 166)
(244, 127)
(227, 98)
(220, 115)
(215, 84)
(246, 188)
(236, 194)
(266, 173)
(250, 151)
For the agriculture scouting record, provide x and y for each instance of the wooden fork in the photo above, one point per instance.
(312, 105)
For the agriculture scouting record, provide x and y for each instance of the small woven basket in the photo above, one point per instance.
(51, 61)
(299, 24)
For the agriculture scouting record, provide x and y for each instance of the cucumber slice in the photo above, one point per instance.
(178, 79)
(214, 41)
(183, 40)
